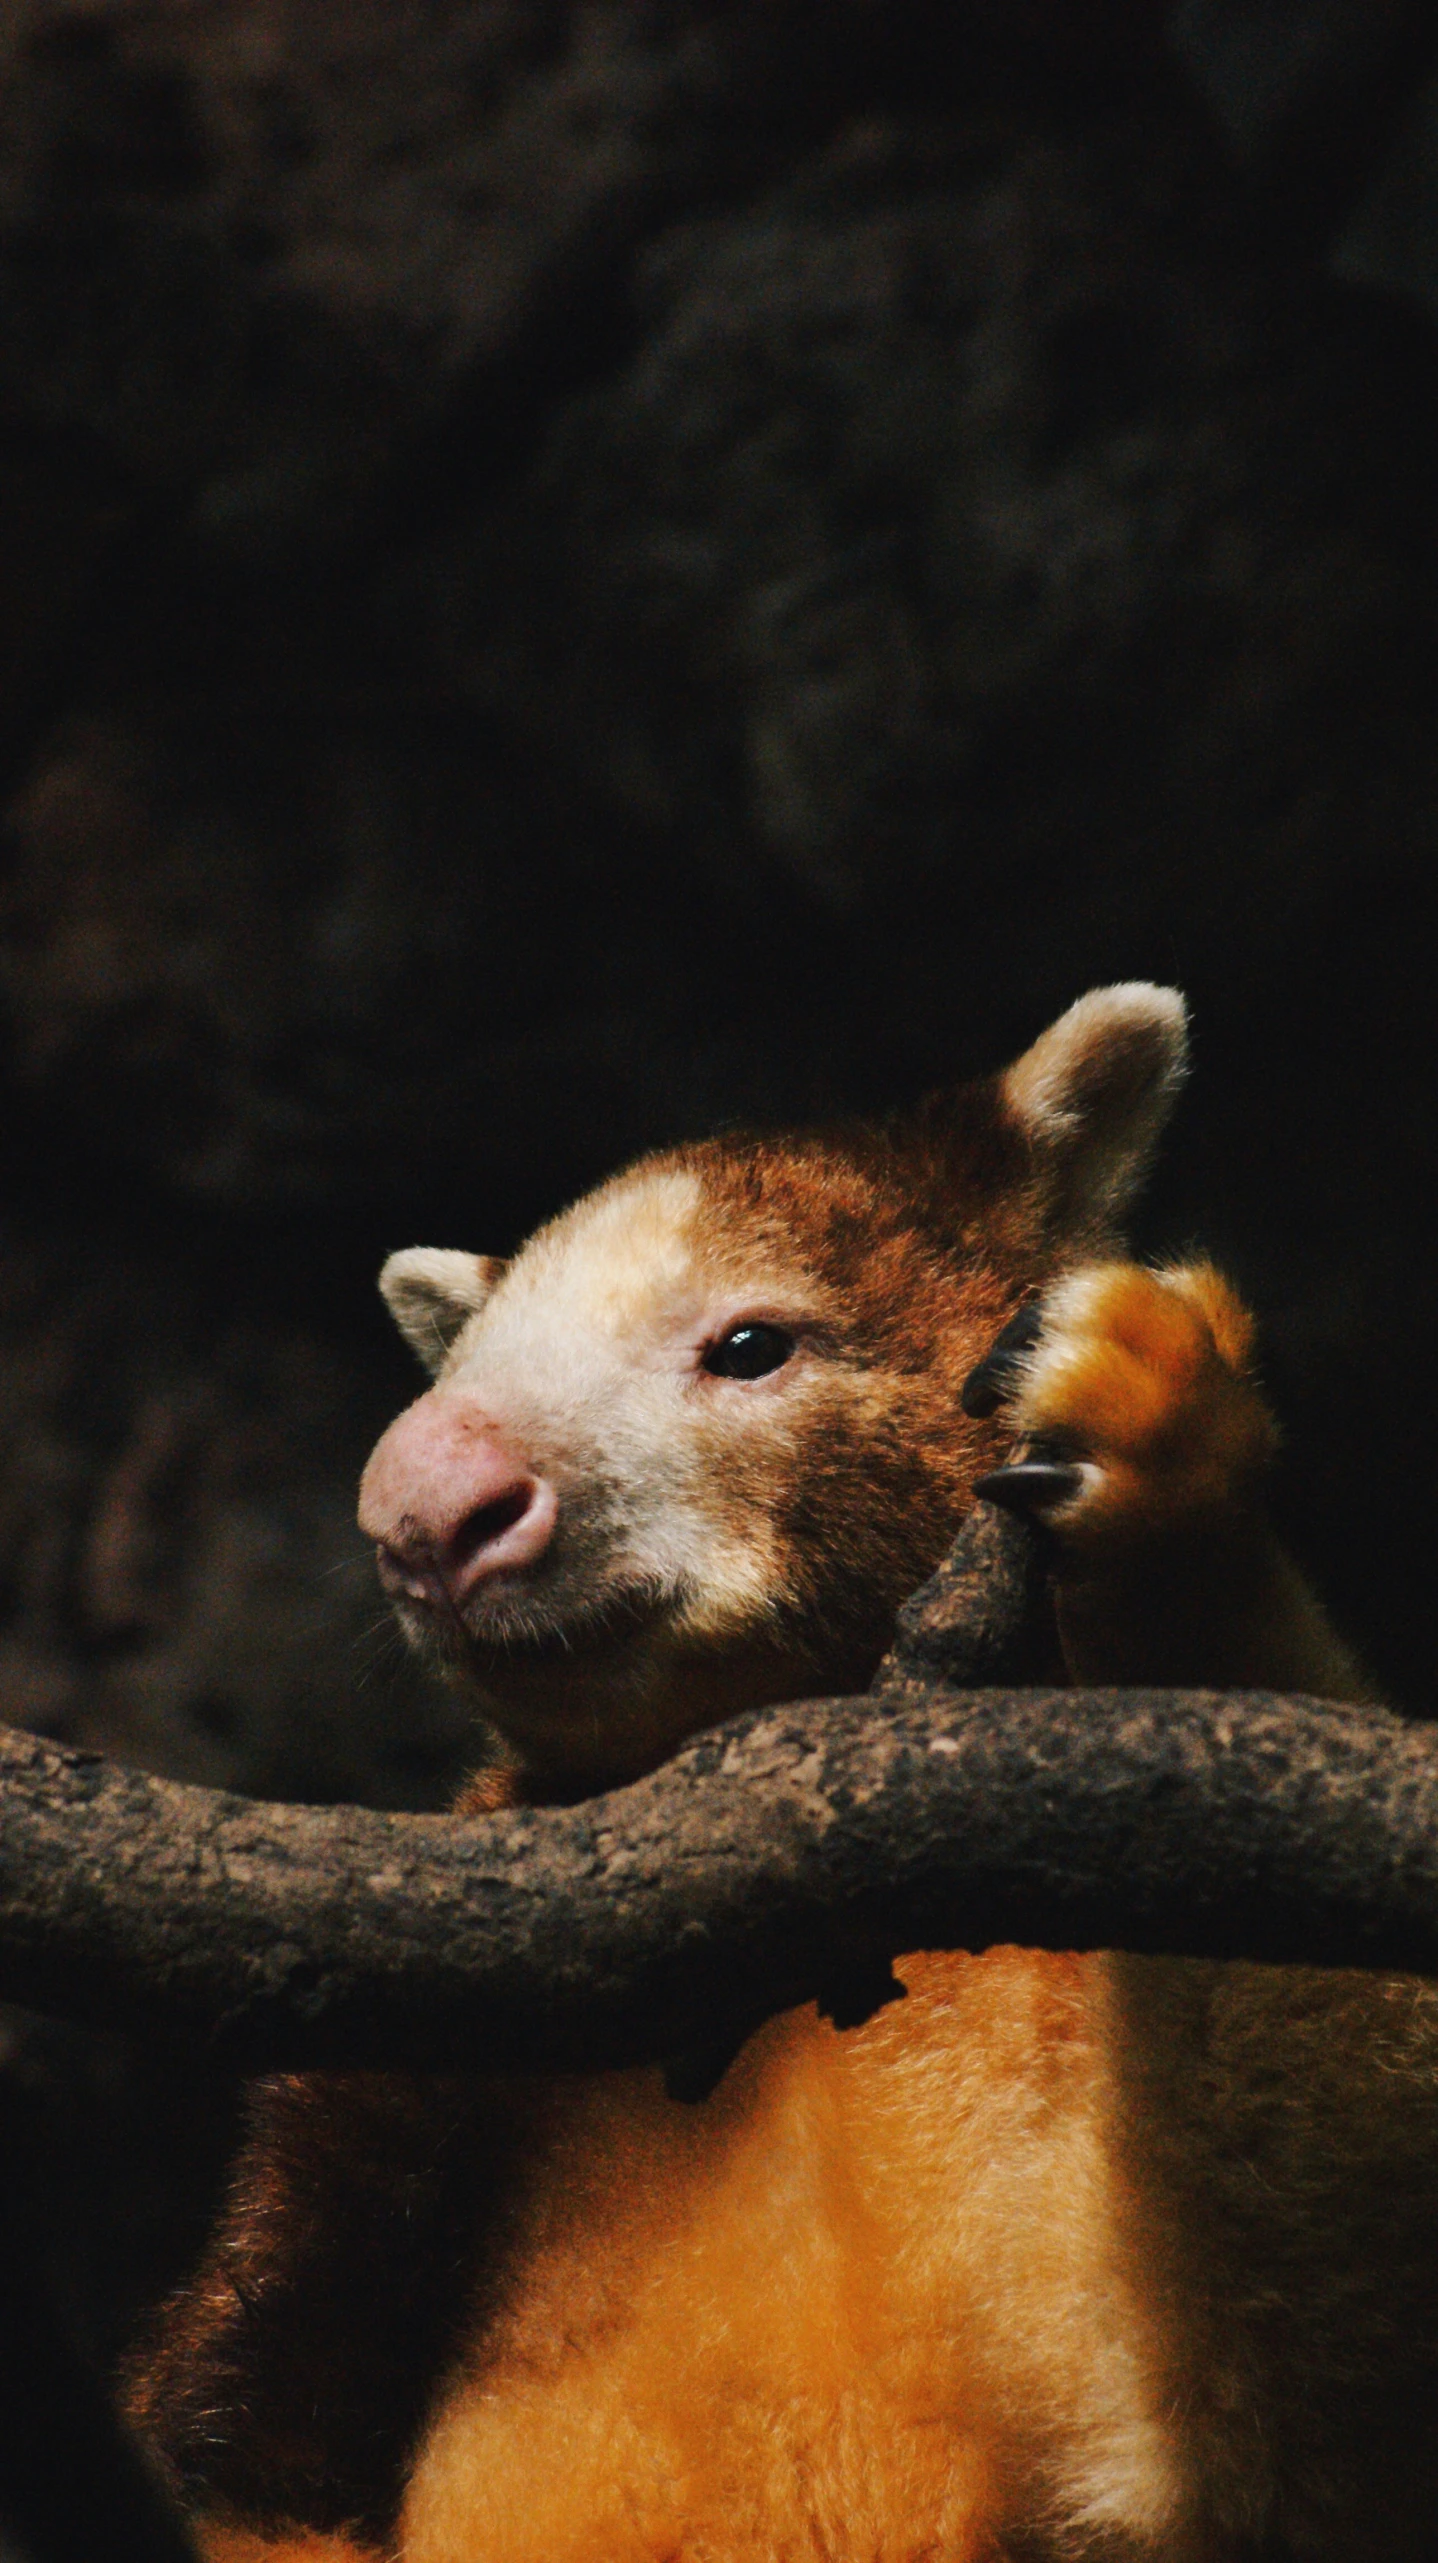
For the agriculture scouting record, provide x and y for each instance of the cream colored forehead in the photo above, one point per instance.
(622, 1259)
(632, 1264)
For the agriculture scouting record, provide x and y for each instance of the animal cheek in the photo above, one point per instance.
(737, 1465)
(734, 1581)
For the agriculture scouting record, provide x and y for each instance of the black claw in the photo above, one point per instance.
(1030, 1485)
(992, 1381)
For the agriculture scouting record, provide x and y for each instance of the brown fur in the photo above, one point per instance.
(1061, 2256)
(237, 2545)
(871, 1499)
(1170, 1571)
(291, 2379)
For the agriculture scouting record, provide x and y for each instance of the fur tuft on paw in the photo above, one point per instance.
(1136, 1407)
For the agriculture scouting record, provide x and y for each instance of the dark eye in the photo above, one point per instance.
(747, 1352)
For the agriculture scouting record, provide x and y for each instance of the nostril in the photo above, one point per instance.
(489, 1524)
(408, 1571)
(439, 1563)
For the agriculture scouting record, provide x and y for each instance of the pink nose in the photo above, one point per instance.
(448, 1504)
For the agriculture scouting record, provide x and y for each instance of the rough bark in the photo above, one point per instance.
(784, 1856)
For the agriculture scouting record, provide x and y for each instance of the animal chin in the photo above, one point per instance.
(523, 1631)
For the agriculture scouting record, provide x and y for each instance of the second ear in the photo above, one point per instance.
(1092, 1096)
(432, 1292)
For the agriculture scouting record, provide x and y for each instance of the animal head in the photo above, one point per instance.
(691, 1447)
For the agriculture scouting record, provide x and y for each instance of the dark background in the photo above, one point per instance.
(573, 572)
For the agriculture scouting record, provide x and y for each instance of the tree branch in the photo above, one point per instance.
(785, 1856)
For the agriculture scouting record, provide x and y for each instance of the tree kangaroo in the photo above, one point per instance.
(1061, 2257)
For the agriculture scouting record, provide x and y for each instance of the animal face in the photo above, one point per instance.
(691, 1448)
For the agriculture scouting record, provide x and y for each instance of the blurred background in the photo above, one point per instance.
(572, 570)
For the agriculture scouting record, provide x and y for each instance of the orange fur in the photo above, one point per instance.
(1150, 1369)
(1075, 2259)
(237, 2545)
(1167, 1568)
(877, 2279)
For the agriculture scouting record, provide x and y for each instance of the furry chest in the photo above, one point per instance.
(844, 2308)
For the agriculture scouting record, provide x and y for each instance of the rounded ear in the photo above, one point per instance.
(431, 1292)
(1093, 1095)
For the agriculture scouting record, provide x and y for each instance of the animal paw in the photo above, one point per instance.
(1134, 1405)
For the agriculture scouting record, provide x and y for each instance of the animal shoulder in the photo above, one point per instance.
(1063, 2254)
